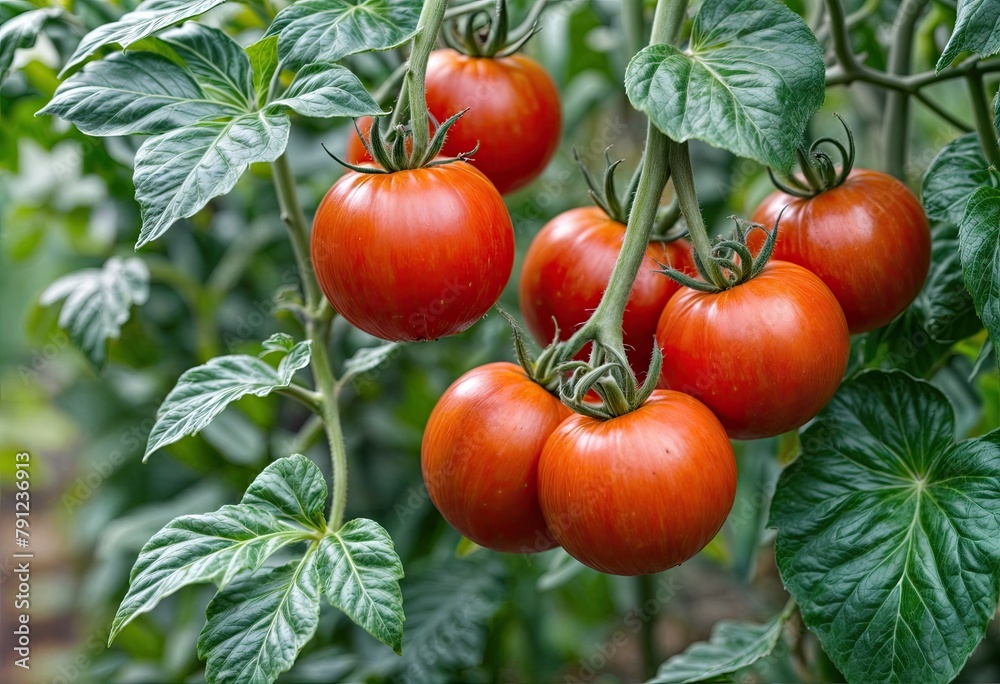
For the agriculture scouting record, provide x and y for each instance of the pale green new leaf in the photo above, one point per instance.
(889, 531)
(368, 360)
(177, 173)
(327, 90)
(212, 547)
(291, 489)
(203, 392)
(98, 302)
(958, 170)
(748, 83)
(263, 62)
(258, 624)
(977, 29)
(21, 32)
(979, 241)
(141, 92)
(314, 31)
(148, 18)
(731, 647)
(360, 573)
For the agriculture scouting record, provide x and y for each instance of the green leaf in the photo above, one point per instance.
(749, 82)
(177, 173)
(212, 547)
(148, 18)
(977, 29)
(278, 342)
(291, 489)
(263, 63)
(217, 62)
(959, 169)
(327, 90)
(258, 624)
(98, 302)
(979, 240)
(889, 531)
(20, 32)
(731, 647)
(457, 599)
(140, 92)
(313, 31)
(360, 572)
(203, 392)
(560, 569)
(367, 360)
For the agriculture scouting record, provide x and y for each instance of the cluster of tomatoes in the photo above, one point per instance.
(422, 253)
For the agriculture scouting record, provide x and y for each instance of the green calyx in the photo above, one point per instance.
(605, 195)
(542, 370)
(481, 34)
(611, 379)
(389, 149)
(819, 172)
(732, 257)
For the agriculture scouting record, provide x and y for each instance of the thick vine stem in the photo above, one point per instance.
(295, 220)
(428, 27)
(317, 329)
(984, 120)
(896, 124)
(612, 378)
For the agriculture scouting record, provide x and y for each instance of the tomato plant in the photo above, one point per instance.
(765, 355)
(235, 410)
(567, 266)
(865, 235)
(480, 456)
(413, 255)
(669, 459)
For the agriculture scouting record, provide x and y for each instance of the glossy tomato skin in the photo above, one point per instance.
(642, 492)
(867, 239)
(764, 356)
(566, 271)
(480, 457)
(413, 255)
(514, 114)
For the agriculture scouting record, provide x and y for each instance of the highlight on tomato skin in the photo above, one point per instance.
(566, 271)
(642, 492)
(479, 457)
(867, 239)
(765, 356)
(413, 255)
(514, 113)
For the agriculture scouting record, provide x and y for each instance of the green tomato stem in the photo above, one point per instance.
(298, 231)
(633, 21)
(318, 318)
(428, 27)
(984, 120)
(687, 198)
(896, 123)
(605, 325)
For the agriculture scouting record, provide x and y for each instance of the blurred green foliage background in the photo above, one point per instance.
(66, 202)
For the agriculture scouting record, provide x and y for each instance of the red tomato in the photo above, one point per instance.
(764, 356)
(867, 239)
(480, 456)
(642, 492)
(567, 268)
(515, 114)
(413, 255)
